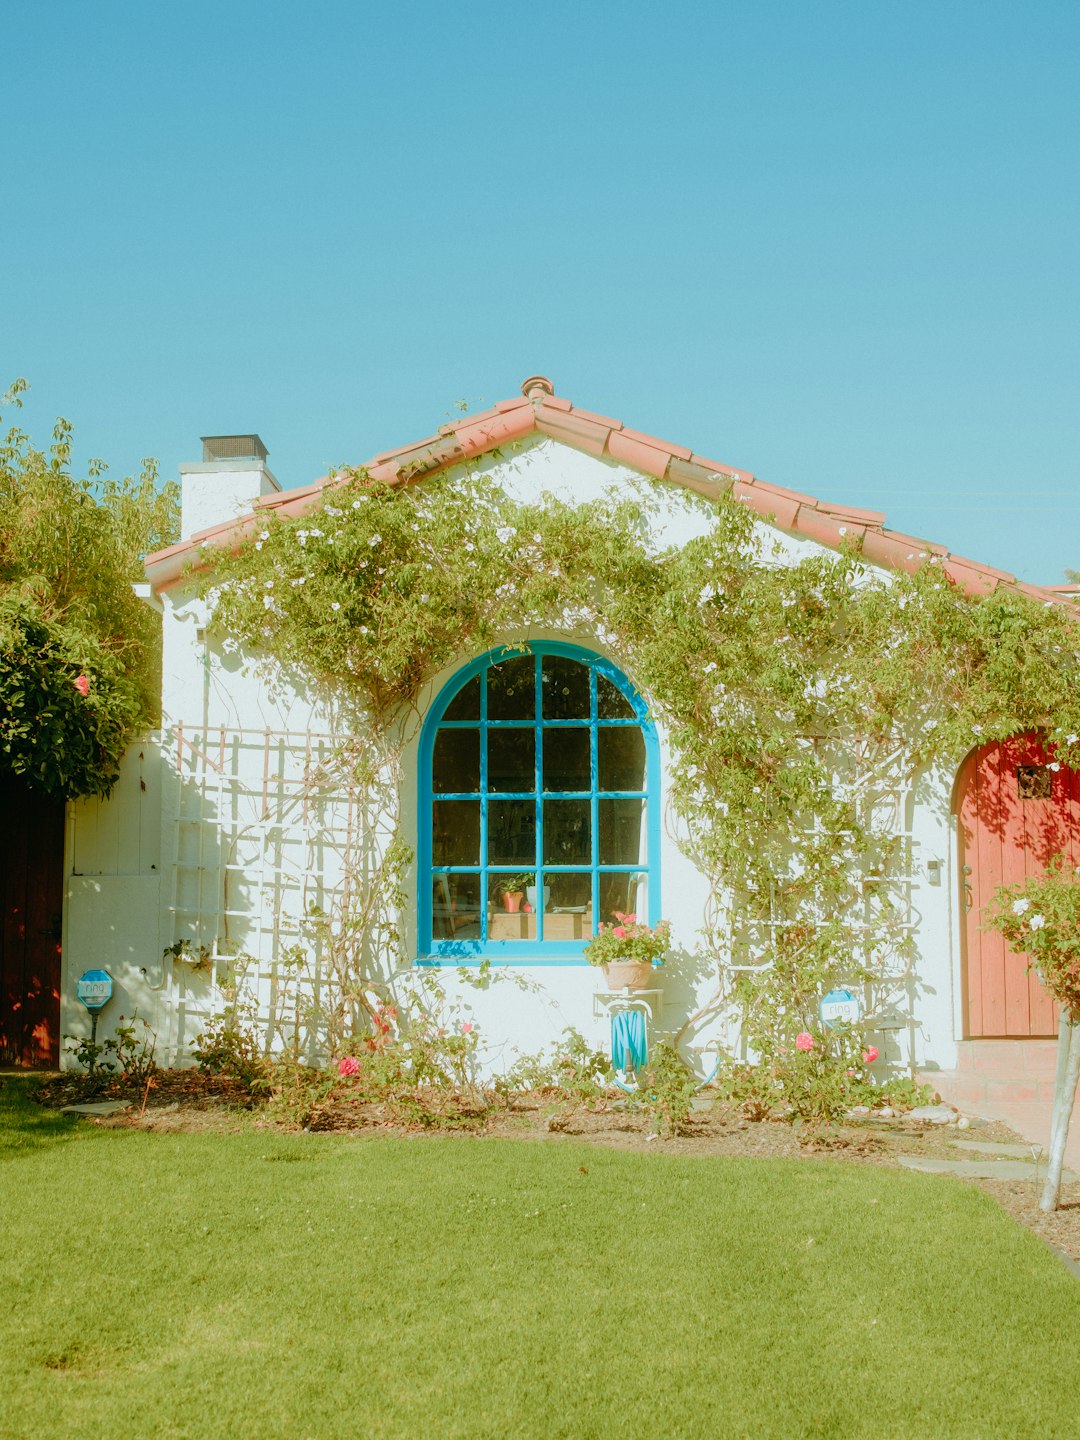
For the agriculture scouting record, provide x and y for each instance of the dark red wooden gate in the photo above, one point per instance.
(31, 904)
(1015, 814)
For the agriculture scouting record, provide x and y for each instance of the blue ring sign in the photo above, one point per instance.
(94, 988)
(840, 1006)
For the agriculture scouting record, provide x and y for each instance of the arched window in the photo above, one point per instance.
(538, 807)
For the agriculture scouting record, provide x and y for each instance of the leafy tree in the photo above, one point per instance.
(1040, 918)
(79, 652)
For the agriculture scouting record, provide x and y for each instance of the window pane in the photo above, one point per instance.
(565, 688)
(611, 703)
(455, 832)
(569, 910)
(621, 758)
(567, 832)
(455, 907)
(512, 832)
(509, 918)
(466, 703)
(622, 832)
(511, 760)
(566, 760)
(455, 764)
(623, 894)
(511, 689)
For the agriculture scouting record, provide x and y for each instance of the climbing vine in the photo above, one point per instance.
(799, 696)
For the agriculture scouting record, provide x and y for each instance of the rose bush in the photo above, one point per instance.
(1040, 918)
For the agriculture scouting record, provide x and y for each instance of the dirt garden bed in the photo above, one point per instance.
(186, 1100)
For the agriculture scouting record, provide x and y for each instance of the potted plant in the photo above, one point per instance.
(512, 890)
(628, 951)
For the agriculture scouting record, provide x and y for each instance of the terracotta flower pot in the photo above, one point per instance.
(512, 900)
(628, 975)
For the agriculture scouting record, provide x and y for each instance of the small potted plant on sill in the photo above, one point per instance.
(628, 951)
(530, 892)
(512, 890)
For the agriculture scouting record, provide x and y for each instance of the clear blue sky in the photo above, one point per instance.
(835, 243)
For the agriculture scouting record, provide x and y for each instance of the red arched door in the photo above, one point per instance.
(1015, 814)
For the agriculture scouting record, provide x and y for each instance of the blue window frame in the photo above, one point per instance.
(539, 779)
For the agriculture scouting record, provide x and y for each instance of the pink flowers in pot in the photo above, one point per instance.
(630, 939)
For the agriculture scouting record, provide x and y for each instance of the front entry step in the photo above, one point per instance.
(1007, 1080)
(999, 1071)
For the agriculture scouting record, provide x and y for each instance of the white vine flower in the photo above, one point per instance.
(335, 605)
(1020, 907)
(1037, 922)
(375, 540)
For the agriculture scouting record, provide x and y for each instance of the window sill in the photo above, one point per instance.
(534, 959)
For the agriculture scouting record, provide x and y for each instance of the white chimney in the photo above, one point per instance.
(232, 475)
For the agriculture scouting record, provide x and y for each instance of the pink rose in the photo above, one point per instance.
(467, 1027)
(349, 1066)
(619, 932)
(82, 684)
(869, 1056)
(804, 1041)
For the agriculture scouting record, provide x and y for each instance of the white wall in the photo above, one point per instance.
(187, 847)
(113, 892)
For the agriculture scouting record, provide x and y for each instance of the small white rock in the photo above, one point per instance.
(933, 1114)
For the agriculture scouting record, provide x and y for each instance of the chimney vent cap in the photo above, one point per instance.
(232, 447)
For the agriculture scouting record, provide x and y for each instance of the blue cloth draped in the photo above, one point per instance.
(629, 1049)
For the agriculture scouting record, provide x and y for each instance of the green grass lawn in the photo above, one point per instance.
(317, 1286)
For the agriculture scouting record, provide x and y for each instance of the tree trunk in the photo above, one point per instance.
(1065, 1082)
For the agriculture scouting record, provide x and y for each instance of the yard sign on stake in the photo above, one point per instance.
(94, 988)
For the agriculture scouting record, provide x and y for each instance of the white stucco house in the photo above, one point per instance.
(216, 835)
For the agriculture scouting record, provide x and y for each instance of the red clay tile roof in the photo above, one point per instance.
(539, 411)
